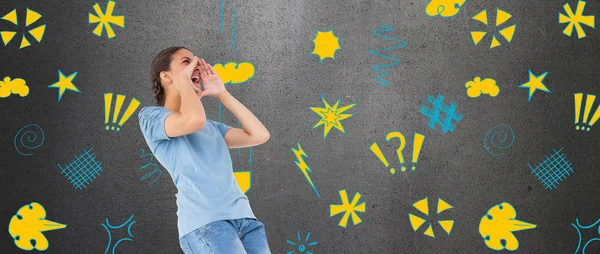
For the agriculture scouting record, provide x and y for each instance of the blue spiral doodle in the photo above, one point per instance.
(31, 137)
(499, 138)
(386, 28)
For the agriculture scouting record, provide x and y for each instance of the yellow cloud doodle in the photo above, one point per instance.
(443, 8)
(28, 224)
(478, 86)
(15, 86)
(497, 225)
(235, 73)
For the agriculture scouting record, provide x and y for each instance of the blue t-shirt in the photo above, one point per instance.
(200, 166)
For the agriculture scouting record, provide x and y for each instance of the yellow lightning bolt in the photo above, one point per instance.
(303, 167)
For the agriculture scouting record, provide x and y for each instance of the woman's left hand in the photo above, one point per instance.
(213, 85)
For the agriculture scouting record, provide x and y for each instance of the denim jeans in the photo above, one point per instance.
(227, 236)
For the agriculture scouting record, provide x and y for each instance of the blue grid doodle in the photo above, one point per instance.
(553, 170)
(83, 170)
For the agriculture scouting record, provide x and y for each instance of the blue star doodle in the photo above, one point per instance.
(107, 226)
(301, 246)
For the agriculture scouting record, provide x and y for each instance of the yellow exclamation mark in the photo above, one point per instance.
(133, 105)
(375, 148)
(578, 97)
(589, 101)
(595, 117)
(417, 144)
(107, 104)
(118, 105)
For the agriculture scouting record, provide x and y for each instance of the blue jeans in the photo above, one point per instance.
(227, 236)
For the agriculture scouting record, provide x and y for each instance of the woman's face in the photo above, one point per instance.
(180, 60)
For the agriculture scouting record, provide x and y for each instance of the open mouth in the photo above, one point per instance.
(196, 79)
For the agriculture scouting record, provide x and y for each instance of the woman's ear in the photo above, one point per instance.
(165, 76)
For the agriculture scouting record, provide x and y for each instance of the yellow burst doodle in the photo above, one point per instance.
(478, 87)
(331, 116)
(234, 73)
(27, 226)
(576, 19)
(64, 83)
(30, 18)
(326, 43)
(501, 18)
(423, 206)
(15, 86)
(349, 209)
(497, 225)
(105, 19)
(243, 179)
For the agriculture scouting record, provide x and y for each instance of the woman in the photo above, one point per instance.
(214, 216)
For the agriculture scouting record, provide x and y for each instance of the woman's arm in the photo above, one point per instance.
(252, 133)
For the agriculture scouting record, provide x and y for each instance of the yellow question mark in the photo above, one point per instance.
(398, 135)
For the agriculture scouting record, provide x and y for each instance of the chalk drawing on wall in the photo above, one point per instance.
(595, 231)
(27, 139)
(443, 8)
(64, 83)
(302, 245)
(131, 108)
(150, 163)
(535, 83)
(583, 124)
(435, 116)
(299, 153)
(30, 17)
(396, 61)
(84, 169)
(423, 206)
(235, 73)
(105, 20)
(27, 226)
(498, 139)
(553, 170)
(326, 45)
(501, 18)
(417, 144)
(108, 229)
(14, 86)
(349, 209)
(575, 20)
(243, 179)
(331, 116)
(477, 87)
(497, 227)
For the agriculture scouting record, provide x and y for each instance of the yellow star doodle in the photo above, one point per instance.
(64, 83)
(535, 83)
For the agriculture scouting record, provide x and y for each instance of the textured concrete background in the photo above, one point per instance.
(276, 37)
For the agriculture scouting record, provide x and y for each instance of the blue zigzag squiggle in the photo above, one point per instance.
(386, 28)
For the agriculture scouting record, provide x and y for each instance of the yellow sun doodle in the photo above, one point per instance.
(30, 18)
(326, 43)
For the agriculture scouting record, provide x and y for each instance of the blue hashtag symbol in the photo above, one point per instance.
(553, 170)
(435, 116)
(83, 170)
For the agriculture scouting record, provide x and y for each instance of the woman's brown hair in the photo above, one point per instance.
(161, 62)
